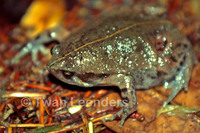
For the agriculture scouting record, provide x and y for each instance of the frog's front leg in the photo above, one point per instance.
(129, 102)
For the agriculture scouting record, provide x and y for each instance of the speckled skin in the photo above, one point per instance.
(131, 51)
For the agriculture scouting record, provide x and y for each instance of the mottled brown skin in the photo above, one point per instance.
(131, 51)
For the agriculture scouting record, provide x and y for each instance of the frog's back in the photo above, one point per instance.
(121, 43)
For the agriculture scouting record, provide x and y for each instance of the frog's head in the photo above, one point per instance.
(60, 66)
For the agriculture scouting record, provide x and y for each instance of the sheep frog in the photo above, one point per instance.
(130, 51)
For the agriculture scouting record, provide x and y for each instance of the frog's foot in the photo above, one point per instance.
(34, 47)
(181, 81)
(123, 113)
(129, 102)
(37, 45)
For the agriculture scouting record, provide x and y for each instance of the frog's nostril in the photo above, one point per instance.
(55, 50)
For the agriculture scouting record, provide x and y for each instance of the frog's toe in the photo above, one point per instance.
(123, 113)
(113, 117)
(34, 52)
(124, 116)
(20, 55)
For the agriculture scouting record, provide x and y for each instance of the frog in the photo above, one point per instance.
(127, 50)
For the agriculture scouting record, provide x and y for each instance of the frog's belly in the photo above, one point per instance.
(143, 79)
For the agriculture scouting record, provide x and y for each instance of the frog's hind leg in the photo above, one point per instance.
(181, 81)
(129, 102)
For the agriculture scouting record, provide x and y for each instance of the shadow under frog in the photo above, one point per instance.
(130, 51)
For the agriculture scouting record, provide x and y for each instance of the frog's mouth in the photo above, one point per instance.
(69, 78)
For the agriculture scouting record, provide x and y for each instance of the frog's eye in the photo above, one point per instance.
(55, 50)
(161, 44)
(67, 74)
